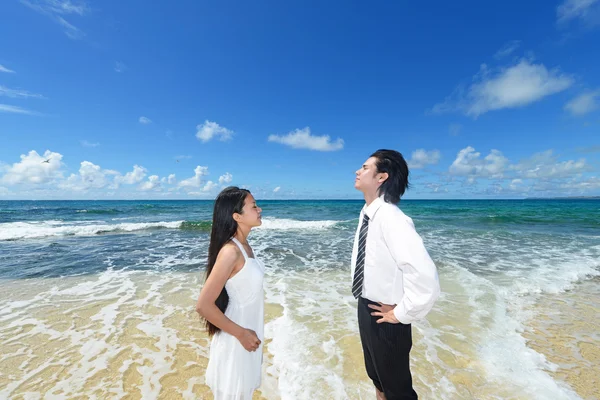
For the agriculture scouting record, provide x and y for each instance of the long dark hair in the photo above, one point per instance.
(229, 201)
(393, 163)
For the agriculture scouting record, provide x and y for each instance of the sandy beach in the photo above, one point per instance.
(111, 315)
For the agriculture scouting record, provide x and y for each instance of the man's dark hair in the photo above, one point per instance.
(396, 184)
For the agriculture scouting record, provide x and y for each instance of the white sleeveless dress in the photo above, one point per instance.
(233, 373)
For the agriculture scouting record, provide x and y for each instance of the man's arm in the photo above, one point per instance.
(420, 276)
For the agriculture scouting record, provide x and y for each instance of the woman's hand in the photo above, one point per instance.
(248, 339)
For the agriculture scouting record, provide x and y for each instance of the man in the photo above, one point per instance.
(393, 277)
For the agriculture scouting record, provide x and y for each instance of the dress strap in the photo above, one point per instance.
(237, 242)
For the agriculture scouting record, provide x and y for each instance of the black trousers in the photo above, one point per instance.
(386, 348)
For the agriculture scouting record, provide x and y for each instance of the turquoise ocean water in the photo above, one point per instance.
(103, 264)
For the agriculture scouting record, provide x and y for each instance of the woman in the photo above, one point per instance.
(232, 299)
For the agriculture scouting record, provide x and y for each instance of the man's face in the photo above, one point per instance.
(367, 179)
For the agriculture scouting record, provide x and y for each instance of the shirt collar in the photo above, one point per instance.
(373, 207)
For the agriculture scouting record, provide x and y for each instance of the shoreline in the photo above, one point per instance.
(137, 335)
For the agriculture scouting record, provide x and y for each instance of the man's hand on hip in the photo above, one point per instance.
(385, 311)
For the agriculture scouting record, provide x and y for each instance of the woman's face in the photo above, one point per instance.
(250, 215)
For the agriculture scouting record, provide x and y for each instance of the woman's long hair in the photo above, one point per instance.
(229, 201)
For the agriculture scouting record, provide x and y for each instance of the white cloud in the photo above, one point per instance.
(90, 176)
(93, 176)
(540, 174)
(507, 49)
(516, 86)
(207, 188)
(61, 7)
(209, 129)
(56, 9)
(33, 177)
(70, 30)
(15, 110)
(210, 185)
(277, 189)
(574, 186)
(574, 9)
(85, 143)
(545, 165)
(18, 93)
(120, 67)
(135, 176)
(468, 163)
(302, 139)
(195, 181)
(145, 121)
(516, 186)
(225, 178)
(588, 184)
(153, 183)
(584, 103)
(436, 187)
(421, 158)
(4, 69)
(32, 169)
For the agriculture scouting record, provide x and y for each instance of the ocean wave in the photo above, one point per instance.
(99, 211)
(289, 224)
(269, 223)
(50, 228)
(32, 230)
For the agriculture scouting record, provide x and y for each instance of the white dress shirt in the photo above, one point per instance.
(398, 269)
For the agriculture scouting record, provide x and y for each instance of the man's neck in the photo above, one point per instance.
(370, 198)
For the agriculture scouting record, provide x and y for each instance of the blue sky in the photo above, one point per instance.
(174, 100)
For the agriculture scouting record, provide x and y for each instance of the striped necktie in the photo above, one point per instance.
(357, 282)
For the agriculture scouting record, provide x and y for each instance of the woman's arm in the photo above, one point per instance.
(228, 258)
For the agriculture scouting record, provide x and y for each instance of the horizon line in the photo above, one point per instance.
(333, 199)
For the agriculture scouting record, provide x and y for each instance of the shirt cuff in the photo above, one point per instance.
(401, 315)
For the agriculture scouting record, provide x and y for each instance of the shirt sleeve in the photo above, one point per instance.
(420, 276)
